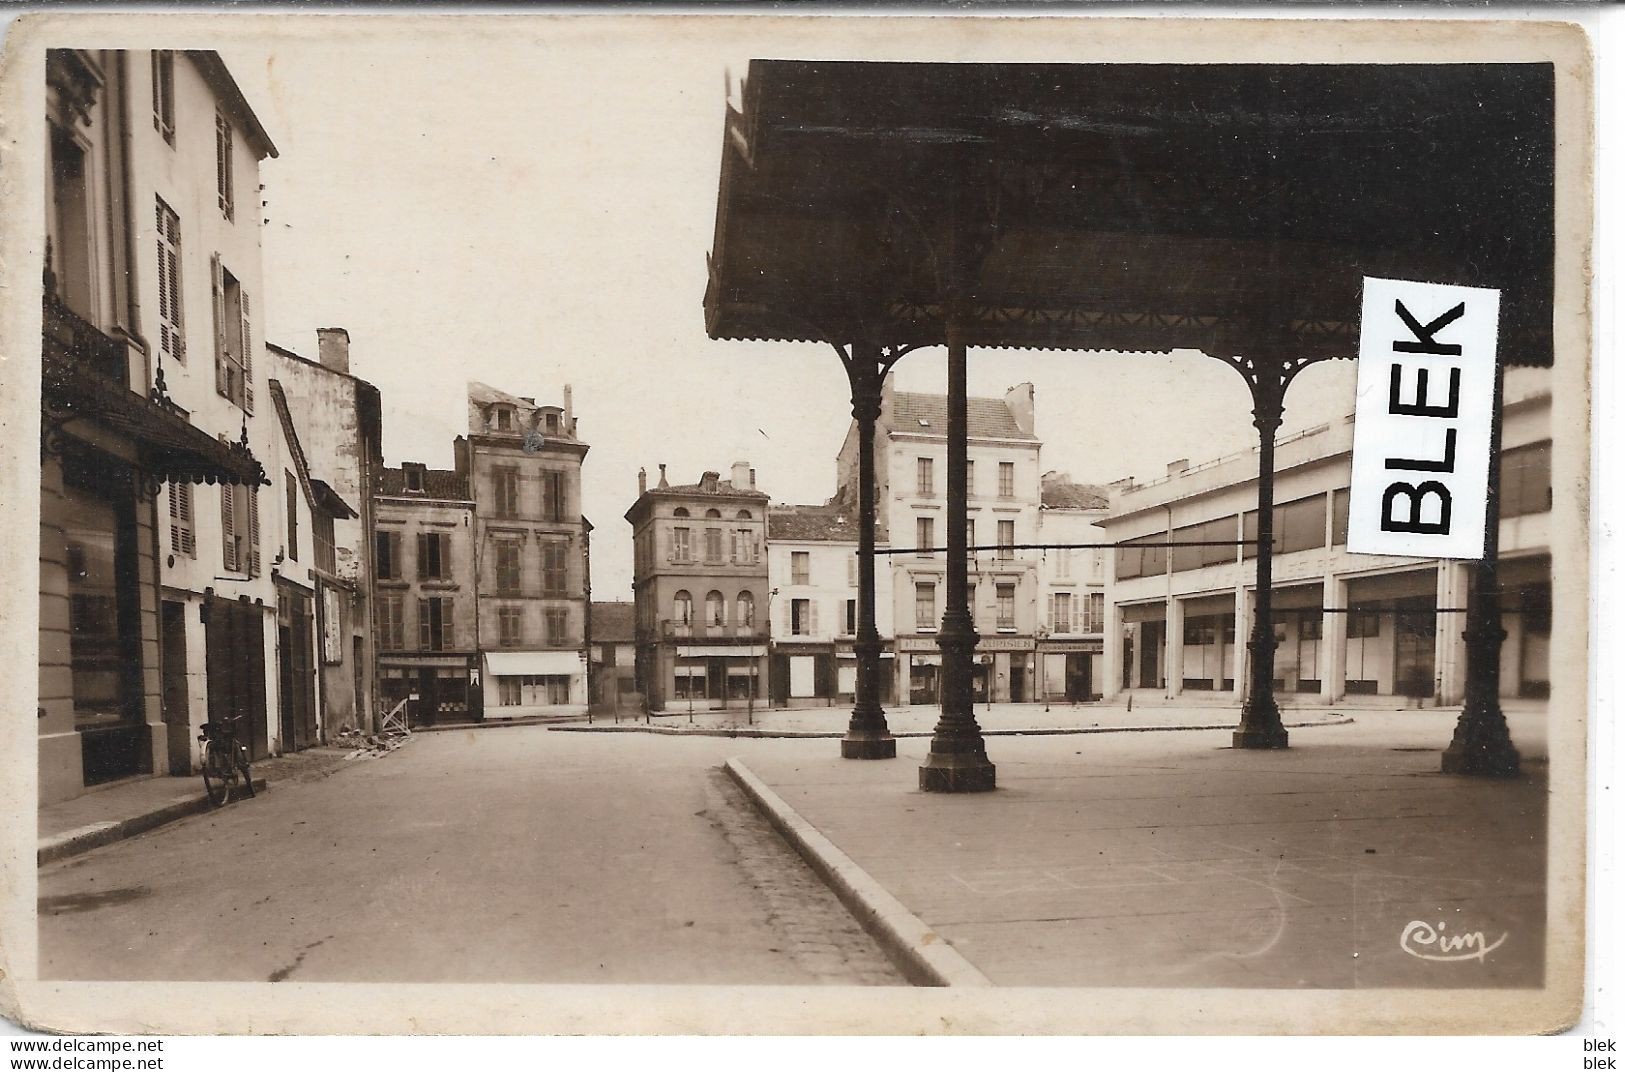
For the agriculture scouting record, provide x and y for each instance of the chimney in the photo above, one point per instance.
(643, 481)
(333, 349)
(741, 476)
(662, 483)
(569, 411)
(1178, 465)
(753, 480)
(1020, 401)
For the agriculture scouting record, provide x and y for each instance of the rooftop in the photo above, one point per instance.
(437, 484)
(1060, 493)
(812, 523)
(613, 622)
(986, 418)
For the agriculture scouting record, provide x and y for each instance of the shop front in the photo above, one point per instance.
(438, 688)
(1071, 670)
(519, 684)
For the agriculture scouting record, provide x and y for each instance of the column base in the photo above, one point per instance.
(868, 746)
(1491, 762)
(957, 774)
(1274, 737)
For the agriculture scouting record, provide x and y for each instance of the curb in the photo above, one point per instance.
(82, 840)
(924, 956)
(539, 720)
(1061, 731)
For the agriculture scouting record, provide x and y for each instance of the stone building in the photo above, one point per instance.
(339, 422)
(911, 456)
(700, 584)
(522, 464)
(612, 656)
(151, 617)
(1346, 625)
(426, 578)
(812, 554)
(1071, 646)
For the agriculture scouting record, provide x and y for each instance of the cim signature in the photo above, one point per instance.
(1420, 936)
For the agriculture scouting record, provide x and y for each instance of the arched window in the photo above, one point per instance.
(745, 611)
(682, 608)
(713, 512)
(743, 515)
(716, 611)
(681, 511)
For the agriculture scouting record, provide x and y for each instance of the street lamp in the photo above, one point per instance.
(767, 633)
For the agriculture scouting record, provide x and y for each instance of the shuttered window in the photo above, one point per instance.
(391, 615)
(163, 93)
(291, 484)
(233, 345)
(171, 337)
(182, 531)
(555, 563)
(434, 624)
(388, 558)
(432, 555)
(508, 566)
(240, 529)
(222, 163)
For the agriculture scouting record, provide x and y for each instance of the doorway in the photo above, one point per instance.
(176, 704)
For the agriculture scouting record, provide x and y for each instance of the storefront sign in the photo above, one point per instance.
(929, 643)
(1071, 647)
(1422, 415)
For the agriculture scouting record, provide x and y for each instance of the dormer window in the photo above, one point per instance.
(414, 479)
(552, 424)
(502, 418)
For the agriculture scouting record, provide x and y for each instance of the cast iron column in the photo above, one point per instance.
(1482, 745)
(867, 735)
(957, 762)
(1260, 718)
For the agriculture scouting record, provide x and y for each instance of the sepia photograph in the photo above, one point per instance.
(758, 525)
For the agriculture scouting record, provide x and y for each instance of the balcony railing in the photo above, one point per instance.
(69, 335)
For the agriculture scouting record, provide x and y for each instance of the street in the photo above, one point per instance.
(502, 855)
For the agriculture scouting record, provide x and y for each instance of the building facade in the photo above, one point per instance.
(339, 422)
(425, 574)
(130, 441)
(812, 554)
(1071, 641)
(701, 592)
(911, 452)
(1346, 625)
(612, 656)
(522, 464)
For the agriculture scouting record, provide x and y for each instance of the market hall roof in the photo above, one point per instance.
(1218, 207)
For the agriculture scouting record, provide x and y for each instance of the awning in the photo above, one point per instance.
(533, 663)
(171, 447)
(721, 651)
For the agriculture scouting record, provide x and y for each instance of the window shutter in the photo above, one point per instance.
(217, 293)
(228, 527)
(812, 617)
(1054, 622)
(445, 624)
(789, 617)
(423, 624)
(247, 355)
(423, 556)
(254, 531)
(174, 516)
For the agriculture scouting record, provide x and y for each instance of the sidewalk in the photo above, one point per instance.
(1172, 860)
(125, 809)
(918, 720)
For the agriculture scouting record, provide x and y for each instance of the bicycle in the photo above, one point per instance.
(224, 761)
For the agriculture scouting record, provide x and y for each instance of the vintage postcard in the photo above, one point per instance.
(762, 525)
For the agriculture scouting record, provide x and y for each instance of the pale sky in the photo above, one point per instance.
(505, 213)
